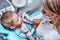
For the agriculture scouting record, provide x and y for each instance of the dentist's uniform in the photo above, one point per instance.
(47, 31)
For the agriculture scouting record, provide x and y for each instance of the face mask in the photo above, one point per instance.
(47, 20)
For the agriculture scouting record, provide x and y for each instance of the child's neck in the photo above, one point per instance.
(18, 28)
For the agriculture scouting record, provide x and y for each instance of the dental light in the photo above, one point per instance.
(19, 3)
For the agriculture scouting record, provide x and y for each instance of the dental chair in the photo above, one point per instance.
(9, 34)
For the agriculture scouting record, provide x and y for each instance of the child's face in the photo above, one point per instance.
(15, 23)
(17, 20)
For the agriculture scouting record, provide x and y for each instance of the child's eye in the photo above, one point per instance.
(8, 23)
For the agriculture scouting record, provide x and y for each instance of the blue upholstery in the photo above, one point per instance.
(3, 30)
(11, 35)
(14, 36)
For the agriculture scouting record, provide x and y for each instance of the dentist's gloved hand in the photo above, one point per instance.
(25, 30)
(36, 22)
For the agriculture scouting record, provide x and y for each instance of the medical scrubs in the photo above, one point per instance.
(47, 31)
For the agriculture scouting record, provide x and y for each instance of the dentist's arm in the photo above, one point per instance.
(36, 22)
(29, 35)
(26, 31)
(31, 38)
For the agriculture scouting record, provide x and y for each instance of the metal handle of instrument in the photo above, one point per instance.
(27, 19)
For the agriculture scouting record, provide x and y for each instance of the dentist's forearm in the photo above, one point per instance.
(32, 31)
(31, 38)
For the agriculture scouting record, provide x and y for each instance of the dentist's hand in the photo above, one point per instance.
(36, 22)
(25, 30)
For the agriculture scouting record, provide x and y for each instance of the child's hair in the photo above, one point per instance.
(6, 18)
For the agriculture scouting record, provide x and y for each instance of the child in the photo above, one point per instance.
(12, 21)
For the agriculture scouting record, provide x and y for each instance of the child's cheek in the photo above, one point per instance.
(20, 21)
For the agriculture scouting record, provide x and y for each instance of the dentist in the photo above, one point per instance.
(49, 28)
